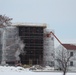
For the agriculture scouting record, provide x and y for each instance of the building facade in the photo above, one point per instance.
(70, 51)
(37, 47)
(32, 37)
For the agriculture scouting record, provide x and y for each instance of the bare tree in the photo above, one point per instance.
(5, 21)
(62, 60)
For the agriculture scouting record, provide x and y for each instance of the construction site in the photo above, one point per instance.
(27, 43)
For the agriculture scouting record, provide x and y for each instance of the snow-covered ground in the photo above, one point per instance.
(21, 71)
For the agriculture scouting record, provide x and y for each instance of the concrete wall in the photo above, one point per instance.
(73, 59)
(48, 55)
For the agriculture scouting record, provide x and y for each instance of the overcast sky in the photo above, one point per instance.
(59, 15)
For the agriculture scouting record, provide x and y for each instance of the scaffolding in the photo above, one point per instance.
(33, 40)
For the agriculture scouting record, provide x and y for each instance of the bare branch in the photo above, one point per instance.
(5, 21)
(62, 59)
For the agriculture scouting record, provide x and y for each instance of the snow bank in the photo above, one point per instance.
(10, 70)
(38, 68)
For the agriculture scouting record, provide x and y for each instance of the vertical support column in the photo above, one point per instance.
(3, 62)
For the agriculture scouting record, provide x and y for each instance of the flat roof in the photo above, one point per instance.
(30, 24)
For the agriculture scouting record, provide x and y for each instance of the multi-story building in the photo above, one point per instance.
(69, 50)
(32, 36)
(38, 46)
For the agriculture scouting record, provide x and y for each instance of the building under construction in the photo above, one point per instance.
(32, 37)
(39, 44)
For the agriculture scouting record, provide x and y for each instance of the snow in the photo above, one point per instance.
(11, 70)
(29, 24)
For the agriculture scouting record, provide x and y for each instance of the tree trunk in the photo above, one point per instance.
(64, 73)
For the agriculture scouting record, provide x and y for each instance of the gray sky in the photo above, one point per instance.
(60, 15)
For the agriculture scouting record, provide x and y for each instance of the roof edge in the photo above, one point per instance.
(30, 24)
